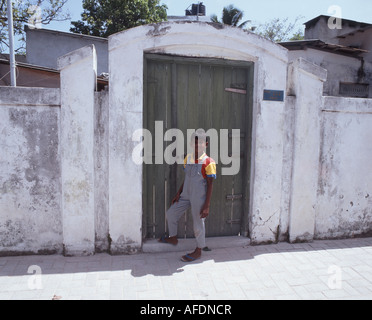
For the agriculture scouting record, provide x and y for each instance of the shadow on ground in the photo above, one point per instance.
(160, 264)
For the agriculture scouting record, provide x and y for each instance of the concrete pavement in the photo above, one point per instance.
(337, 269)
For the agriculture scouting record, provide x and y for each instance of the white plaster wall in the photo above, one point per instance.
(101, 152)
(30, 186)
(345, 179)
(310, 175)
(267, 179)
(194, 39)
(306, 84)
(78, 82)
(286, 188)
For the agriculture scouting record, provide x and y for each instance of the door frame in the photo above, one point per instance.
(247, 169)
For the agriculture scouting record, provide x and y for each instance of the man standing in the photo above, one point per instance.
(195, 193)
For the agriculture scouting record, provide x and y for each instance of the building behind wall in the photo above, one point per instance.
(44, 47)
(345, 52)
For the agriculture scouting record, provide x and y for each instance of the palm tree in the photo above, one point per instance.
(231, 16)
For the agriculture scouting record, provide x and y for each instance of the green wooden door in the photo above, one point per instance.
(190, 93)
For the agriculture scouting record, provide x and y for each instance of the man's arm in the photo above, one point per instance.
(205, 210)
(178, 195)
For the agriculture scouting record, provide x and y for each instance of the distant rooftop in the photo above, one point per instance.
(321, 45)
(312, 22)
(70, 34)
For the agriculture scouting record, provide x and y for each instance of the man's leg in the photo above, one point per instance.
(199, 232)
(199, 225)
(174, 214)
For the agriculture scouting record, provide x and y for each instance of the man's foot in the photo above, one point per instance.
(196, 255)
(169, 240)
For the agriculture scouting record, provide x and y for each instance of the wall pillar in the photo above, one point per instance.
(125, 176)
(78, 83)
(306, 84)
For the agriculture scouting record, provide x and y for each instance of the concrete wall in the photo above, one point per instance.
(101, 159)
(44, 47)
(68, 183)
(54, 164)
(78, 83)
(306, 86)
(344, 205)
(330, 180)
(30, 171)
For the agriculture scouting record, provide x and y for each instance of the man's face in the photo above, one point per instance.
(199, 146)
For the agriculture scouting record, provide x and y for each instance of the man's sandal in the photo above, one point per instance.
(168, 240)
(188, 258)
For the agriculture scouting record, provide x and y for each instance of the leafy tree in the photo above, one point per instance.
(299, 35)
(32, 12)
(231, 16)
(279, 30)
(102, 18)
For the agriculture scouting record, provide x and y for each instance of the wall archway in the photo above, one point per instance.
(192, 39)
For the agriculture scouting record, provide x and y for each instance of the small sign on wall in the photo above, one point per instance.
(273, 95)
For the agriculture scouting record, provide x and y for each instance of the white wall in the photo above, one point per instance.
(78, 83)
(54, 164)
(68, 183)
(344, 206)
(306, 85)
(30, 185)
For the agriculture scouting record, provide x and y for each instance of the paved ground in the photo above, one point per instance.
(339, 269)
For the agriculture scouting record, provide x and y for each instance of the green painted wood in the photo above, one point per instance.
(189, 93)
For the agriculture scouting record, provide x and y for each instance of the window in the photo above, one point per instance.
(357, 90)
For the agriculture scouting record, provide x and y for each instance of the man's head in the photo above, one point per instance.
(199, 142)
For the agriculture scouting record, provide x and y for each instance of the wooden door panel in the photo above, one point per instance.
(188, 94)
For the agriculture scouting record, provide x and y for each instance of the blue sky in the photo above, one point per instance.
(258, 11)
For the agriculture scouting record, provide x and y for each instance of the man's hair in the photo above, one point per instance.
(200, 134)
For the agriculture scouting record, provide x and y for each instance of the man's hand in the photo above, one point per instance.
(204, 211)
(176, 198)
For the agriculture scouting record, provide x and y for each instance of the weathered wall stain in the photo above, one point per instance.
(344, 206)
(30, 190)
(41, 132)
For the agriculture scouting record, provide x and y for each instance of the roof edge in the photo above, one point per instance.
(316, 19)
(70, 34)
